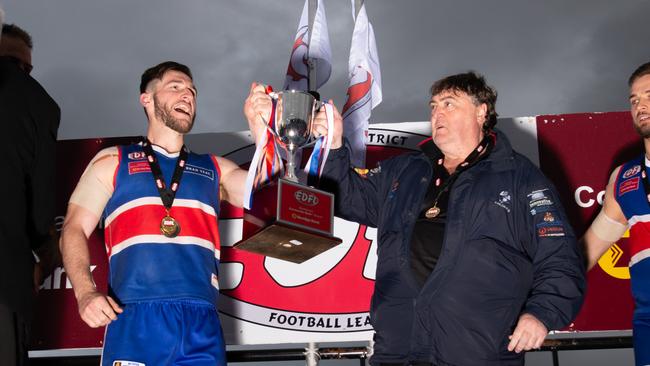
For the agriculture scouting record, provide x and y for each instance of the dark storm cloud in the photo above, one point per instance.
(543, 57)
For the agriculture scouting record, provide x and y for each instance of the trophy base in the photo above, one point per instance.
(289, 221)
(287, 243)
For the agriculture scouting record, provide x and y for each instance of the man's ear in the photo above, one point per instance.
(481, 114)
(145, 99)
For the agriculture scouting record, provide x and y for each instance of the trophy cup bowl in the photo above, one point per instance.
(294, 114)
(288, 220)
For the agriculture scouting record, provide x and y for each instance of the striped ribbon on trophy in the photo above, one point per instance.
(316, 162)
(266, 159)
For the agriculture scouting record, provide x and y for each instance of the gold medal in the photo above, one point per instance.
(432, 212)
(169, 227)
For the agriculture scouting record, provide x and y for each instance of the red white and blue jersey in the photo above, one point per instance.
(144, 264)
(631, 197)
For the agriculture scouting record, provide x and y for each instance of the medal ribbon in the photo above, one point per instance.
(167, 194)
(644, 178)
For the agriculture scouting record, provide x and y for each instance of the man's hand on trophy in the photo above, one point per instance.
(257, 109)
(320, 125)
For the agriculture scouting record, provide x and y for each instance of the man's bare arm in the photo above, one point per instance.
(84, 212)
(233, 182)
(607, 228)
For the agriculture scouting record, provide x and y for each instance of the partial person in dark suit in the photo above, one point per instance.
(29, 118)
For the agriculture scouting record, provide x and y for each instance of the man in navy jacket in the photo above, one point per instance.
(476, 257)
(30, 119)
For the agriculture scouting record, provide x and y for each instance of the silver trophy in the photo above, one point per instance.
(294, 113)
(288, 220)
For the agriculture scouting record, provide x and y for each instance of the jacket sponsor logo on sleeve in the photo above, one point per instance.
(136, 167)
(540, 209)
(546, 231)
(550, 225)
(548, 217)
(628, 186)
(539, 199)
(632, 171)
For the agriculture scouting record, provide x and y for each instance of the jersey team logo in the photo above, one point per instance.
(632, 171)
(137, 155)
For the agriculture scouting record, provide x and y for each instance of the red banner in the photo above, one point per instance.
(578, 152)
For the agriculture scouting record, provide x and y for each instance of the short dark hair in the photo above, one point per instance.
(475, 86)
(640, 71)
(12, 30)
(157, 72)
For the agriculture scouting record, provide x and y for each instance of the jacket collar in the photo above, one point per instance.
(501, 156)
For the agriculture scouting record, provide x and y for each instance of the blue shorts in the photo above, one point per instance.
(641, 336)
(158, 333)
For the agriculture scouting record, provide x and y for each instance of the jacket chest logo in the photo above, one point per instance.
(504, 200)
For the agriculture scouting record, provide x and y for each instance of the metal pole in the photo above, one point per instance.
(311, 354)
(556, 359)
(312, 7)
(357, 7)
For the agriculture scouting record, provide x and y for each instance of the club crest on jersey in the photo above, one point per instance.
(632, 171)
(137, 155)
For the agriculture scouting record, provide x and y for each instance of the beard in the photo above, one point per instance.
(643, 131)
(164, 113)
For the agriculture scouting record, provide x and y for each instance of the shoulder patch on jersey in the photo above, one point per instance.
(628, 186)
(136, 167)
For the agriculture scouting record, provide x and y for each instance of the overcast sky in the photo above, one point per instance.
(544, 57)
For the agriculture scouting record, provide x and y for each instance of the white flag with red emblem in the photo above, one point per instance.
(364, 90)
(317, 50)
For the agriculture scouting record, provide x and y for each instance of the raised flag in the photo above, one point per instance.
(317, 50)
(364, 90)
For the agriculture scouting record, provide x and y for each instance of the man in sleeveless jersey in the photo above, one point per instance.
(626, 206)
(161, 232)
